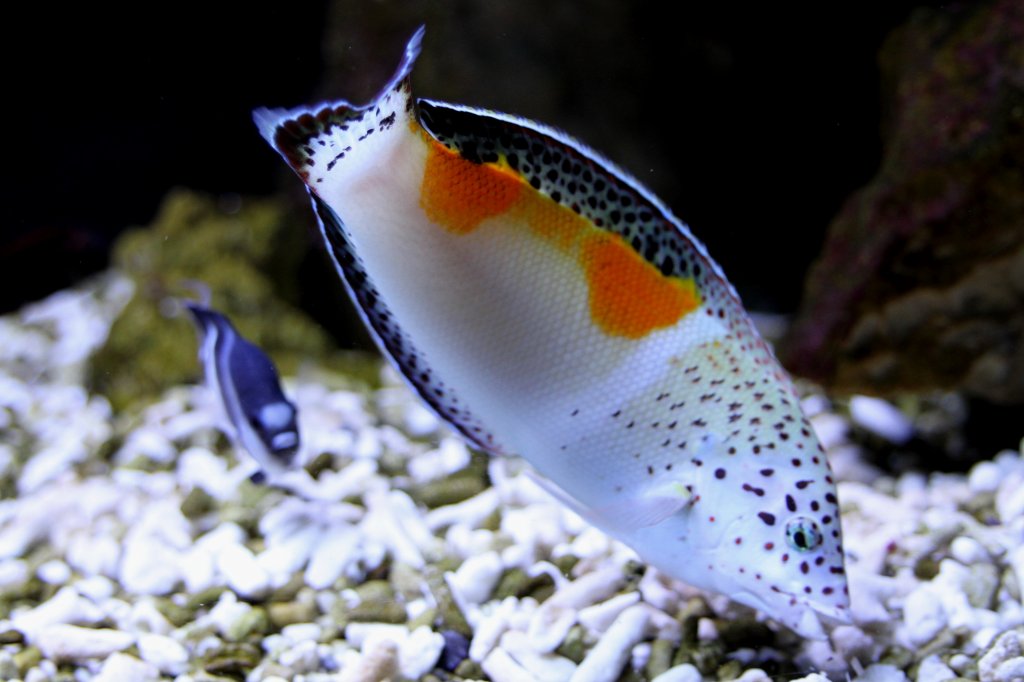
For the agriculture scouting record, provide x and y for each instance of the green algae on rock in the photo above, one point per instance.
(236, 253)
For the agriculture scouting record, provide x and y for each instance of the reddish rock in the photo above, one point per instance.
(921, 281)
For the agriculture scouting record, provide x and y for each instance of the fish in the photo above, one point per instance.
(263, 422)
(546, 304)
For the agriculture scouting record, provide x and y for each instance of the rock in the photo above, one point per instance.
(920, 283)
(881, 418)
(933, 669)
(54, 572)
(73, 643)
(923, 615)
(331, 555)
(66, 606)
(166, 653)
(475, 580)
(680, 673)
(1006, 647)
(606, 660)
(1010, 671)
(193, 237)
(878, 672)
(243, 572)
(120, 667)
(420, 652)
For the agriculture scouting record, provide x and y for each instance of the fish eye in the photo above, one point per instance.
(802, 534)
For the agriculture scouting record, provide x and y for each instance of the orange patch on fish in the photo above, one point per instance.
(459, 194)
(630, 297)
(552, 221)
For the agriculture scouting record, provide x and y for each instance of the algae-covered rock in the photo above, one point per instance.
(248, 254)
(921, 281)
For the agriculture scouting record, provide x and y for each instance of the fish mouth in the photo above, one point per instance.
(802, 616)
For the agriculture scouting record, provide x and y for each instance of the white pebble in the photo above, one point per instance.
(604, 663)
(284, 556)
(599, 617)
(367, 445)
(358, 634)
(450, 456)
(301, 657)
(959, 662)
(301, 632)
(226, 612)
(419, 653)
(984, 477)
(376, 664)
(706, 630)
(471, 512)
(680, 673)
(967, 550)
(120, 667)
(48, 464)
(144, 616)
(473, 581)
(200, 468)
(166, 653)
(94, 554)
(489, 629)
(923, 615)
(419, 421)
(1010, 671)
(95, 588)
(198, 569)
(545, 667)
(881, 418)
(933, 669)
(147, 442)
(830, 428)
(1007, 647)
(334, 551)
(243, 572)
(501, 667)
(54, 572)
(393, 521)
(73, 643)
(66, 606)
(656, 592)
(753, 675)
(851, 642)
(148, 566)
(13, 572)
(878, 672)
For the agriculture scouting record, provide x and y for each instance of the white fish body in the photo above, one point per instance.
(546, 304)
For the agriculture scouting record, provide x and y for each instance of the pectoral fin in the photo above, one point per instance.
(650, 508)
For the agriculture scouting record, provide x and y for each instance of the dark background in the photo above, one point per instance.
(778, 123)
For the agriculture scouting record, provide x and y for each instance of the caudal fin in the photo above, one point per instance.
(314, 140)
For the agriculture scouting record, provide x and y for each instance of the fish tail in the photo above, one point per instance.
(314, 142)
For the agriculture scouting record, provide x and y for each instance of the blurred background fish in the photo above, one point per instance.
(263, 421)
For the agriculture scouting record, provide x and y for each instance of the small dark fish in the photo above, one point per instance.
(263, 420)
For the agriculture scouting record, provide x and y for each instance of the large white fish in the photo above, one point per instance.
(546, 304)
